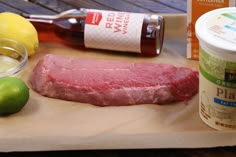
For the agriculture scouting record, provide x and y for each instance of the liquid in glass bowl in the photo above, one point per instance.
(13, 58)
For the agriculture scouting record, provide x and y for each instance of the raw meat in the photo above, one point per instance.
(106, 83)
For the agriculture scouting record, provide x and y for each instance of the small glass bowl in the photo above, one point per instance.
(13, 58)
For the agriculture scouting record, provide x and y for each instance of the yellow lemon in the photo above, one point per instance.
(16, 27)
(13, 96)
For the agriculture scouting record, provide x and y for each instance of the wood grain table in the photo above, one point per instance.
(144, 6)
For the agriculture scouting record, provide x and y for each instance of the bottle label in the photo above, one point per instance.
(120, 31)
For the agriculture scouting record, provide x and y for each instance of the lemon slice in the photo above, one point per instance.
(16, 27)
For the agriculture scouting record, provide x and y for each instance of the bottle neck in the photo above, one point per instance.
(57, 27)
(39, 18)
(50, 18)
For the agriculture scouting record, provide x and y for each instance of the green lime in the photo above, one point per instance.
(14, 94)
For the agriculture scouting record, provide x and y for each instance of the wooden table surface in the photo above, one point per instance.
(144, 6)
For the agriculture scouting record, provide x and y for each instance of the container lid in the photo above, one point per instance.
(217, 29)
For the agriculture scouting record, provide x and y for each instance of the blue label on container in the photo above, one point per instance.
(224, 103)
(230, 28)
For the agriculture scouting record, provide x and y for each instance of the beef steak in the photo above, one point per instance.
(105, 83)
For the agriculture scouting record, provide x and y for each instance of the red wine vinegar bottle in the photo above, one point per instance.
(100, 29)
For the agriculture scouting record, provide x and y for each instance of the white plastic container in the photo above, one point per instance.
(216, 31)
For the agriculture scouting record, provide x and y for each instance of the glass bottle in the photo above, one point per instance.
(121, 31)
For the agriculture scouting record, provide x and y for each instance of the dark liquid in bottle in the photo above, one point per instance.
(71, 31)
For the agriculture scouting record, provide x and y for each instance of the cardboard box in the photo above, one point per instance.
(196, 8)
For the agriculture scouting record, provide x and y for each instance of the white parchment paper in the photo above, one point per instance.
(51, 124)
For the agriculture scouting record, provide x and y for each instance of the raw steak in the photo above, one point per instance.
(105, 83)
